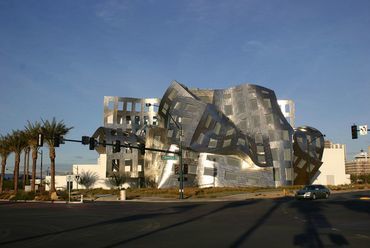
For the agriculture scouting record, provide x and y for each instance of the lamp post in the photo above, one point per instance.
(179, 127)
(309, 158)
(41, 153)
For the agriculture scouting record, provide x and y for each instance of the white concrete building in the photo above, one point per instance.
(98, 169)
(333, 169)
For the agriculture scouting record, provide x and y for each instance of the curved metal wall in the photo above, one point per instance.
(245, 121)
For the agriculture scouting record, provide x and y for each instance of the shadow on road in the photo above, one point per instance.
(318, 232)
(242, 238)
(195, 218)
(178, 209)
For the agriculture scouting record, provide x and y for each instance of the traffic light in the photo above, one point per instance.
(117, 146)
(185, 171)
(92, 143)
(40, 139)
(177, 169)
(57, 140)
(142, 149)
(354, 131)
(85, 140)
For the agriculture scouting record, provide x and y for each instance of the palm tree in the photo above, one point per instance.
(17, 142)
(51, 130)
(32, 131)
(4, 153)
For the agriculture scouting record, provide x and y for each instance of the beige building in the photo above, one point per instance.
(333, 169)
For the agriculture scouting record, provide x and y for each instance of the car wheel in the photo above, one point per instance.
(313, 197)
(326, 195)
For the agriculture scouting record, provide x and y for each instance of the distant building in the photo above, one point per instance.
(333, 171)
(360, 165)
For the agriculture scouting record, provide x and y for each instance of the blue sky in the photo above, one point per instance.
(60, 58)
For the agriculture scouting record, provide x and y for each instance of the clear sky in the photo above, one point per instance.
(60, 58)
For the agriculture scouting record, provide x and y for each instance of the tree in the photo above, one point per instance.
(4, 153)
(117, 179)
(51, 130)
(32, 131)
(88, 179)
(17, 142)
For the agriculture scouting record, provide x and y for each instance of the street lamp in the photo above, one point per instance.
(41, 153)
(179, 126)
(309, 158)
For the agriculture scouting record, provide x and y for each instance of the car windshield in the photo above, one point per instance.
(308, 188)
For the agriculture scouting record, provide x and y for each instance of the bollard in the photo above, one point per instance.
(82, 199)
(123, 195)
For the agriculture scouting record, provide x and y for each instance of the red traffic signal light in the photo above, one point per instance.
(354, 131)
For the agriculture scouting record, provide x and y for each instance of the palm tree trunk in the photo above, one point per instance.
(24, 168)
(34, 160)
(28, 166)
(16, 171)
(3, 164)
(52, 169)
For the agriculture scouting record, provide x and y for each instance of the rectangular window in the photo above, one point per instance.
(241, 142)
(230, 132)
(287, 108)
(208, 121)
(177, 105)
(120, 106)
(288, 174)
(110, 119)
(227, 143)
(260, 149)
(146, 107)
(301, 163)
(172, 94)
(155, 108)
(115, 165)
(138, 107)
(212, 143)
(169, 133)
(137, 120)
(217, 128)
(146, 120)
(128, 106)
(200, 138)
(258, 138)
(128, 119)
(111, 105)
(276, 174)
(261, 158)
(287, 155)
(155, 120)
(275, 154)
(128, 165)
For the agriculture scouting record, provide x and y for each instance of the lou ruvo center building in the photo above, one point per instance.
(237, 136)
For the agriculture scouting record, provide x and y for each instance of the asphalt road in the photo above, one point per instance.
(342, 220)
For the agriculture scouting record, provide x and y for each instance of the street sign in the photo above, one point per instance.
(363, 129)
(167, 157)
(70, 178)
